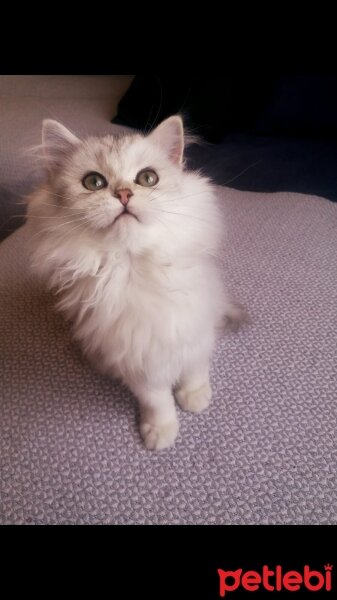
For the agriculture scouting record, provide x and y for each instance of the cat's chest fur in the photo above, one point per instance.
(136, 287)
(135, 283)
(139, 304)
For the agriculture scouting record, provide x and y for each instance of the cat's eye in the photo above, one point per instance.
(94, 182)
(147, 178)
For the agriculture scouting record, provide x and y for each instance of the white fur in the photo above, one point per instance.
(144, 295)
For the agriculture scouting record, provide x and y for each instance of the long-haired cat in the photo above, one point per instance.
(128, 237)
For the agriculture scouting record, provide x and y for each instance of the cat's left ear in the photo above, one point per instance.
(170, 136)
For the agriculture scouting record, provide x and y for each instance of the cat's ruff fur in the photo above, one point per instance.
(143, 292)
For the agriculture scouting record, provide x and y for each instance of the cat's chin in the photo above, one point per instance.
(124, 218)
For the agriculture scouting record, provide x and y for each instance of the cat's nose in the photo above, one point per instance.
(123, 195)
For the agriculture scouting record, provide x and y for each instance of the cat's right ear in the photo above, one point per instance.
(57, 142)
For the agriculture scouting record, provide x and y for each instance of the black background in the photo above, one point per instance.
(156, 562)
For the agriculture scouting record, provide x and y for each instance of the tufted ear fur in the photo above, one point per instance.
(57, 142)
(170, 136)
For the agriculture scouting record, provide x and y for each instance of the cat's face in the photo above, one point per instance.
(117, 184)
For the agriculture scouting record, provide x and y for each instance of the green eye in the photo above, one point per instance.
(94, 182)
(147, 178)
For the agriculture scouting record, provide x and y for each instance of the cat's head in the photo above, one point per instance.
(130, 186)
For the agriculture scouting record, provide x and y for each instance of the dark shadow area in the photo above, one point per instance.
(11, 205)
(264, 132)
(270, 164)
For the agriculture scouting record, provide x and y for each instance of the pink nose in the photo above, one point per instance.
(123, 195)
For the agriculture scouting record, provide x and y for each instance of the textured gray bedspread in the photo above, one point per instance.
(265, 451)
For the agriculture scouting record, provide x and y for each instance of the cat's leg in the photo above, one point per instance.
(194, 391)
(158, 418)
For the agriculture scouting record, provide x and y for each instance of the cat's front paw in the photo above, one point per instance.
(194, 400)
(158, 437)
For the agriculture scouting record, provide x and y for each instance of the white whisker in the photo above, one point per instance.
(241, 172)
(180, 214)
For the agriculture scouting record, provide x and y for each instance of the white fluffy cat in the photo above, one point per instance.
(128, 238)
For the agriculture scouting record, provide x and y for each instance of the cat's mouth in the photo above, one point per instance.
(125, 213)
